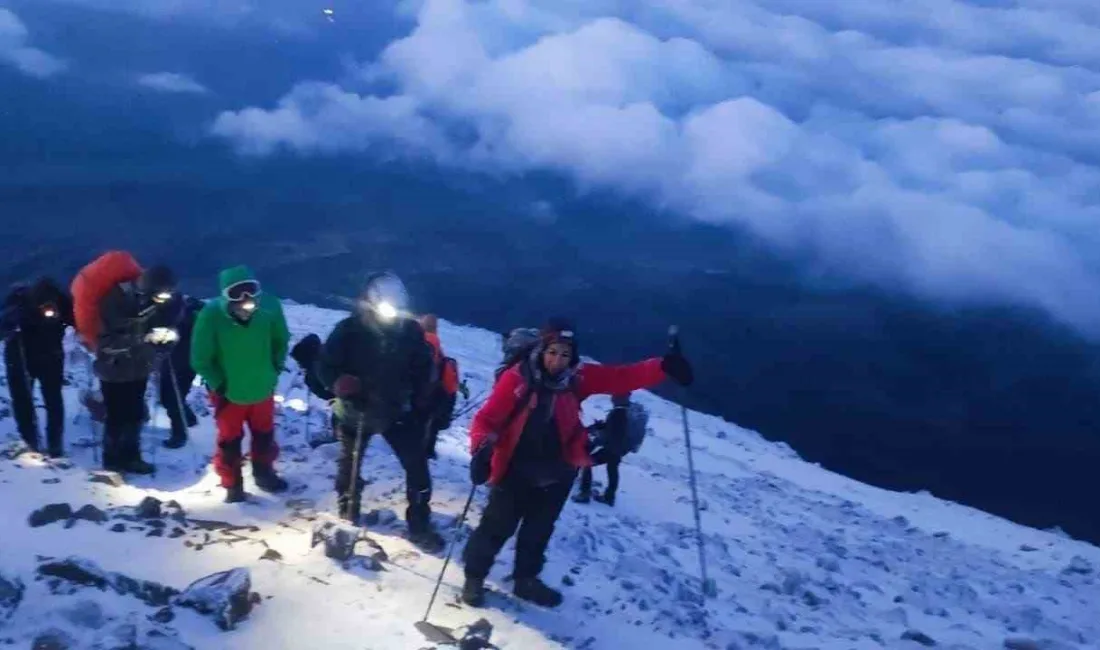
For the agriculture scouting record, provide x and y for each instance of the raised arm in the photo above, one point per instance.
(597, 379)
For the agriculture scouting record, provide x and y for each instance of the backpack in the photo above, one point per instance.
(637, 422)
(92, 284)
(516, 347)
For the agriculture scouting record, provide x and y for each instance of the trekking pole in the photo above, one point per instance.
(710, 589)
(179, 399)
(308, 405)
(151, 395)
(450, 551)
(28, 383)
(353, 480)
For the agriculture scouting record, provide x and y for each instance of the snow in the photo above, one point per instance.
(803, 558)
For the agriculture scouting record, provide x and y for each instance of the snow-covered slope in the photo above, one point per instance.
(803, 558)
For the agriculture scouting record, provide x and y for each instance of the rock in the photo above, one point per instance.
(271, 554)
(753, 641)
(156, 532)
(118, 528)
(85, 613)
(898, 616)
(918, 637)
(90, 513)
(1078, 566)
(149, 508)
(49, 514)
(339, 539)
(828, 563)
(114, 479)
(224, 596)
(84, 572)
(51, 481)
(163, 615)
(477, 636)
(177, 532)
(1028, 548)
(941, 534)
(1024, 643)
(52, 639)
(158, 640)
(567, 581)
(11, 594)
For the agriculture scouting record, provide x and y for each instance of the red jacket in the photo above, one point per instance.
(591, 379)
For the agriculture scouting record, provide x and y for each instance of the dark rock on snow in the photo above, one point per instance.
(49, 514)
(339, 539)
(87, 573)
(11, 594)
(918, 637)
(90, 513)
(271, 554)
(149, 508)
(114, 479)
(225, 596)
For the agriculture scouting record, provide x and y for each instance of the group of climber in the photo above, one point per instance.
(384, 371)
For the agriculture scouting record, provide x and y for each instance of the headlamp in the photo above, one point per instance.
(248, 305)
(386, 311)
(49, 312)
(162, 297)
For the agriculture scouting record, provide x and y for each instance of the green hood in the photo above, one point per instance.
(230, 277)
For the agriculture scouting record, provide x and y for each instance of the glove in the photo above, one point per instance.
(346, 386)
(676, 366)
(481, 464)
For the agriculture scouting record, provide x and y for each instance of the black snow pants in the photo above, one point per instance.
(21, 382)
(516, 504)
(408, 445)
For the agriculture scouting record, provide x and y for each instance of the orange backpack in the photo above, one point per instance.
(446, 368)
(92, 284)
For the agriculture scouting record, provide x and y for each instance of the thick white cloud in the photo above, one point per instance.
(171, 82)
(943, 146)
(15, 51)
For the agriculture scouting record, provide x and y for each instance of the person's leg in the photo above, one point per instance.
(167, 394)
(134, 414)
(608, 495)
(265, 450)
(22, 396)
(418, 479)
(584, 493)
(229, 419)
(51, 383)
(540, 516)
(346, 467)
(498, 523)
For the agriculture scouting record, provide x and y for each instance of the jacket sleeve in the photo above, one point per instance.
(490, 417)
(281, 340)
(204, 350)
(596, 379)
(422, 363)
(331, 360)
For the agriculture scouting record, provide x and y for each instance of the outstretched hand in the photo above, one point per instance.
(676, 365)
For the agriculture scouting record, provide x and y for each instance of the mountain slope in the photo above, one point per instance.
(803, 558)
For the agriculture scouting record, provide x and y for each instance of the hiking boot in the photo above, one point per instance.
(582, 497)
(536, 591)
(267, 480)
(473, 592)
(607, 498)
(56, 451)
(189, 417)
(235, 493)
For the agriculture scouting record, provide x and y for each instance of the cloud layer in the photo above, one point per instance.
(946, 147)
(171, 82)
(15, 51)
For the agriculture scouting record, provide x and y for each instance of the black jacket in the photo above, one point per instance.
(122, 354)
(28, 330)
(393, 365)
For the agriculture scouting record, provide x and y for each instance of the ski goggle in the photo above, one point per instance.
(242, 290)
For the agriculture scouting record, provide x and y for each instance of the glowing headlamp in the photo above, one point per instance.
(162, 297)
(49, 312)
(248, 305)
(386, 311)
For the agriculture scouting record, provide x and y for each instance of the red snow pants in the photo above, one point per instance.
(230, 419)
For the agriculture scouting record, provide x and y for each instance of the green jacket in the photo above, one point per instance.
(242, 361)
